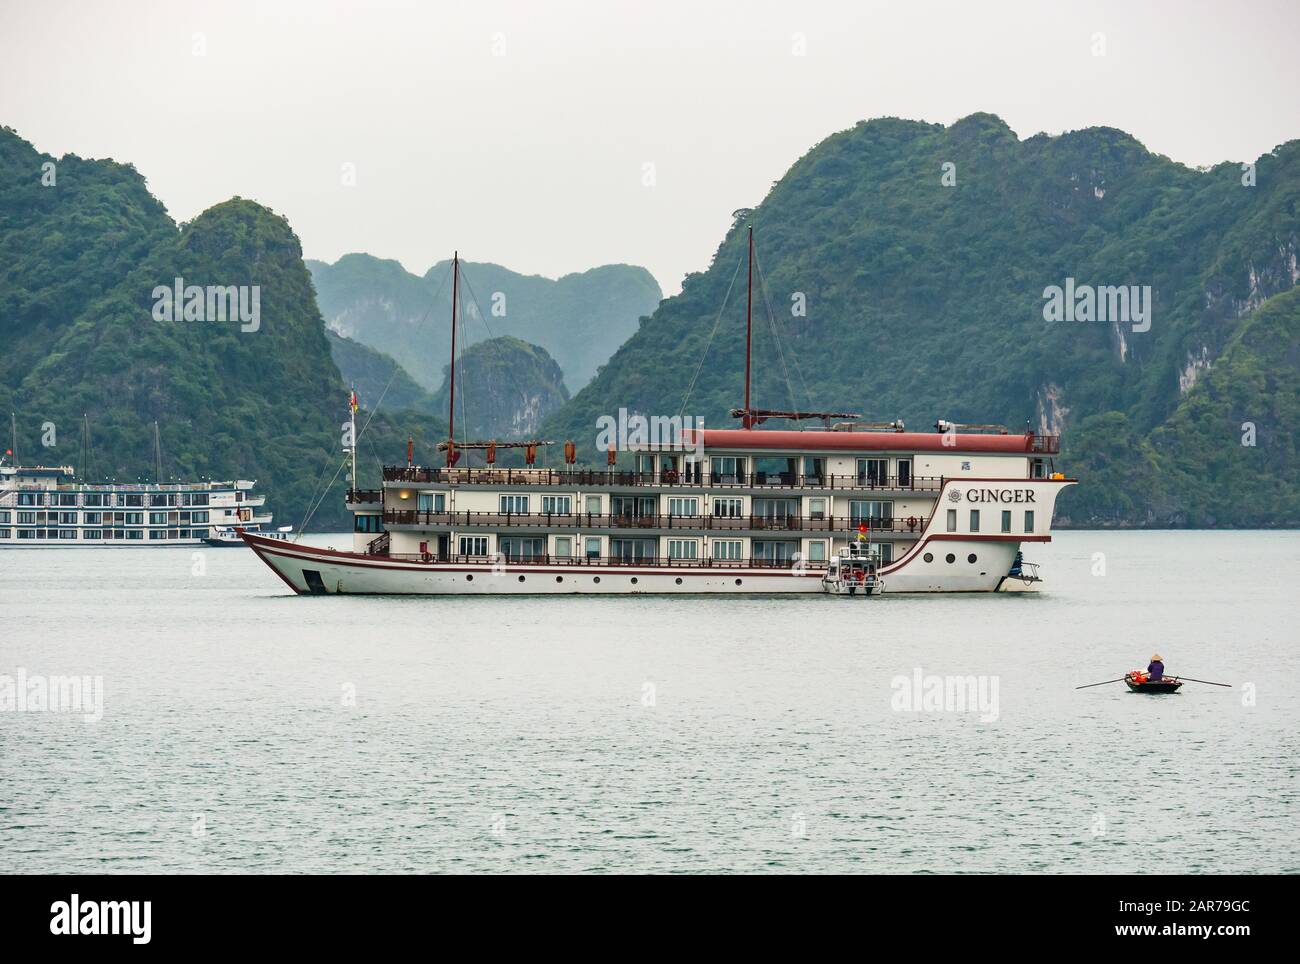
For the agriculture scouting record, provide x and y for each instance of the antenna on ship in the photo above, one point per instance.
(451, 404)
(352, 435)
(13, 438)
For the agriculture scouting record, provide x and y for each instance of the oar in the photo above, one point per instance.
(1102, 683)
(1205, 681)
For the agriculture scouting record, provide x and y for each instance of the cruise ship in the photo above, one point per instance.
(44, 506)
(742, 510)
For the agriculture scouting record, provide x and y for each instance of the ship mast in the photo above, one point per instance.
(352, 434)
(749, 324)
(451, 404)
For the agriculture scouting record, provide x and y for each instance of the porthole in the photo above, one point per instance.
(737, 582)
(595, 579)
(950, 558)
(521, 578)
(469, 578)
(634, 580)
(559, 579)
(971, 558)
(928, 557)
(679, 580)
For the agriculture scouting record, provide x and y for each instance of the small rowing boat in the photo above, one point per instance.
(1140, 682)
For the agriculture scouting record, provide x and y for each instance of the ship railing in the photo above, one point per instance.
(1045, 444)
(594, 520)
(357, 496)
(594, 478)
(625, 561)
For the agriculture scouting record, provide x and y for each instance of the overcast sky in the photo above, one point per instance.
(520, 132)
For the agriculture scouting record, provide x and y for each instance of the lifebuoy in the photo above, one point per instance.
(911, 522)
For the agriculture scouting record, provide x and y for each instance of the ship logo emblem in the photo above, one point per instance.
(954, 495)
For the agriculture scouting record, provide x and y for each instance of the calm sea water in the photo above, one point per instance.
(246, 730)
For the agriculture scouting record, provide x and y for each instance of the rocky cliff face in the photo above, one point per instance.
(504, 389)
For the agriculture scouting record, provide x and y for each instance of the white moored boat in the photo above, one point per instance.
(709, 511)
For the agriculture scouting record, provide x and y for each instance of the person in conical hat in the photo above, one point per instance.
(1156, 669)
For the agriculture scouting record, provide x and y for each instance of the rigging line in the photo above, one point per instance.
(371, 413)
(716, 321)
(312, 501)
(315, 503)
(794, 356)
(342, 464)
(780, 351)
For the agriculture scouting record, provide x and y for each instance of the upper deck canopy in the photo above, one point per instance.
(784, 441)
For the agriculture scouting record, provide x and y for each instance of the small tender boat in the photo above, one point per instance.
(229, 535)
(853, 573)
(1140, 682)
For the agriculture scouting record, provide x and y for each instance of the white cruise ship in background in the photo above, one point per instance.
(43, 507)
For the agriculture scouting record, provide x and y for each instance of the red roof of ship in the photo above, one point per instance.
(825, 441)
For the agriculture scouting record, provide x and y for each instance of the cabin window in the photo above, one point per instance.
(645, 463)
(27, 518)
(563, 547)
(817, 551)
(633, 506)
(1038, 469)
(561, 504)
(157, 518)
(885, 552)
(431, 502)
(683, 549)
(952, 520)
(514, 504)
(879, 513)
(68, 518)
(727, 549)
(361, 523)
(29, 498)
(593, 547)
(473, 545)
(776, 508)
(814, 469)
(521, 548)
(132, 499)
(1029, 520)
(94, 498)
(974, 520)
(727, 469)
(775, 470)
(817, 508)
(873, 471)
(772, 551)
(1006, 520)
(904, 472)
(633, 550)
(203, 516)
(593, 504)
(684, 507)
(4, 516)
(67, 498)
(727, 508)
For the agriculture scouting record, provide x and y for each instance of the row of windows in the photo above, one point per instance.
(1006, 520)
(680, 507)
(524, 547)
(155, 535)
(127, 499)
(99, 518)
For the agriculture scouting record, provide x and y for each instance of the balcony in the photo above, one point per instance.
(1045, 444)
(563, 562)
(361, 496)
(616, 478)
(591, 520)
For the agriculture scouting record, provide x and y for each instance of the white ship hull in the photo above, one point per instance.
(311, 571)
